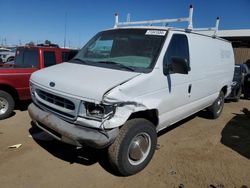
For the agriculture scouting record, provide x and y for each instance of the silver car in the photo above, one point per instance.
(7, 54)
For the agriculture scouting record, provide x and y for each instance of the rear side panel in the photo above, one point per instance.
(212, 64)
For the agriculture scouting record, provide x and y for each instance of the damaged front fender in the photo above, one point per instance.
(124, 108)
(141, 93)
(122, 113)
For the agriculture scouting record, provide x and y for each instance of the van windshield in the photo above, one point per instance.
(123, 49)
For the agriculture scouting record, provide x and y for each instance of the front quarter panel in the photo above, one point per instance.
(139, 94)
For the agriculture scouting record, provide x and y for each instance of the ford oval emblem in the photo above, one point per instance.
(52, 84)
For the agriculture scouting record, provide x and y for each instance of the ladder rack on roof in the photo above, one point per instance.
(188, 19)
(215, 29)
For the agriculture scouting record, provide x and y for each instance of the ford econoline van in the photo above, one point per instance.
(127, 84)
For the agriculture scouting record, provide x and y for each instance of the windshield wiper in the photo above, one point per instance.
(117, 64)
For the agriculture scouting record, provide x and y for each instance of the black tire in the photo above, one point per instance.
(246, 96)
(10, 59)
(238, 94)
(125, 149)
(216, 108)
(7, 105)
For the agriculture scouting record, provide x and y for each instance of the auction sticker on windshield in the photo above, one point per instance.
(156, 32)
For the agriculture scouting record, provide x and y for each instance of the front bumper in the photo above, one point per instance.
(69, 132)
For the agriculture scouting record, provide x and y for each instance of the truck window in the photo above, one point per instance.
(178, 47)
(66, 56)
(49, 58)
(26, 58)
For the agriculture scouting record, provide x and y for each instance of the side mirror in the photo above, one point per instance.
(180, 65)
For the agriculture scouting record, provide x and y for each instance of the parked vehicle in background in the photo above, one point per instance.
(7, 54)
(246, 87)
(14, 76)
(238, 82)
(128, 83)
(4, 49)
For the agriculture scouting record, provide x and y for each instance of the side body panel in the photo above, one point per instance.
(211, 62)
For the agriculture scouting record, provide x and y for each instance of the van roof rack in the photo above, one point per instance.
(215, 28)
(165, 22)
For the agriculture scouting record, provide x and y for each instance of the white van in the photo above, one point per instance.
(128, 83)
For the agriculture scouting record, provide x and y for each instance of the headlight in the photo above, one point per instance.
(98, 111)
(94, 110)
(4, 56)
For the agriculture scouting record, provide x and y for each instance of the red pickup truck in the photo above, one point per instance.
(14, 79)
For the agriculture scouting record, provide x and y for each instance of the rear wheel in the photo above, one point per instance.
(238, 94)
(6, 104)
(216, 108)
(134, 147)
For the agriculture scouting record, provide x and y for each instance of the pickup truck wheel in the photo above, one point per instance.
(134, 147)
(6, 104)
(10, 59)
(217, 107)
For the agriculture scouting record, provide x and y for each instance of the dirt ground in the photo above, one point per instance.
(196, 152)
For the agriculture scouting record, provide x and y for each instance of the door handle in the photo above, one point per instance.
(189, 88)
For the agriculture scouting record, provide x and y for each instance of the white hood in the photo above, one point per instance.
(89, 82)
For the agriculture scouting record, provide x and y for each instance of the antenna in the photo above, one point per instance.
(65, 30)
(128, 17)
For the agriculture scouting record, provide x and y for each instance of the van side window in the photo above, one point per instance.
(178, 47)
(49, 58)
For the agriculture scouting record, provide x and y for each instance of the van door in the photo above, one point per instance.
(178, 97)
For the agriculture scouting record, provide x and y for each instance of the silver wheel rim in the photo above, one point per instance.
(219, 104)
(139, 148)
(4, 105)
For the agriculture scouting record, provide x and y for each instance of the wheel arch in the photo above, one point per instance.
(150, 115)
(224, 90)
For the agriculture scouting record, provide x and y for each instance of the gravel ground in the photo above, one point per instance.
(196, 152)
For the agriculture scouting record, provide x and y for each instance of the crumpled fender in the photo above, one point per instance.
(129, 98)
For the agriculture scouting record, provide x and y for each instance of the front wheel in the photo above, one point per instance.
(216, 108)
(7, 104)
(134, 147)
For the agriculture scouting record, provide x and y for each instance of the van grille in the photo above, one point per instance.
(56, 100)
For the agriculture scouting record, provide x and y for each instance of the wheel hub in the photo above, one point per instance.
(139, 148)
(4, 105)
